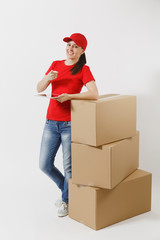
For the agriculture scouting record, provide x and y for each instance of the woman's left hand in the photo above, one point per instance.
(63, 97)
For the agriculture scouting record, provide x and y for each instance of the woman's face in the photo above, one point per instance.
(73, 51)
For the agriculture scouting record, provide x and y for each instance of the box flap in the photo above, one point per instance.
(136, 174)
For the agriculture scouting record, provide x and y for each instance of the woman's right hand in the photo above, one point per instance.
(52, 75)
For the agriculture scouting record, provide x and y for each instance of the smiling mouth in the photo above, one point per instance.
(70, 54)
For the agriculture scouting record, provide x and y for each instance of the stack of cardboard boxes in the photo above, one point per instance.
(106, 185)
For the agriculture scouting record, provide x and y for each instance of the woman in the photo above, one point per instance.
(67, 78)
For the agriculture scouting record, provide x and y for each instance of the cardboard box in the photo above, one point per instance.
(110, 118)
(107, 165)
(98, 208)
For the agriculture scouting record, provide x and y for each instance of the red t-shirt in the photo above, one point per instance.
(65, 83)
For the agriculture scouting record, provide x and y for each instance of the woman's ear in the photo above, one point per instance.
(82, 51)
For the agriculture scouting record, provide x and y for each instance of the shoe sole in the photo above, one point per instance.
(62, 215)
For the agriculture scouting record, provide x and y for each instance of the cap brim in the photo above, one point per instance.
(67, 39)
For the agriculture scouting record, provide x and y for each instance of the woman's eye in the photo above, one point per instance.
(73, 45)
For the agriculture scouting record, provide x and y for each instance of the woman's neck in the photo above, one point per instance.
(70, 62)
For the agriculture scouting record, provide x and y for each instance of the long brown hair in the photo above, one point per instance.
(78, 66)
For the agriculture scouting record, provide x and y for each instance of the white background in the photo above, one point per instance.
(124, 56)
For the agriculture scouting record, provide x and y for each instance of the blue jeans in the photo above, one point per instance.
(55, 133)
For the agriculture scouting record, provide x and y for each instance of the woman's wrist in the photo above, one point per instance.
(70, 96)
(47, 79)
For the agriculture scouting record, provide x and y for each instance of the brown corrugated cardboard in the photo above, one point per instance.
(107, 165)
(99, 208)
(110, 118)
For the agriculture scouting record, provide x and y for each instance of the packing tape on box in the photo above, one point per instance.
(90, 184)
(81, 222)
(108, 97)
(80, 186)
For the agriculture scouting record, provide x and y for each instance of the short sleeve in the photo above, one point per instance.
(87, 75)
(51, 67)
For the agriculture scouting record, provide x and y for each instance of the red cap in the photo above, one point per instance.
(78, 38)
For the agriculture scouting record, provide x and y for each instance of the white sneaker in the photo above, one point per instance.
(58, 203)
(63, 210)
